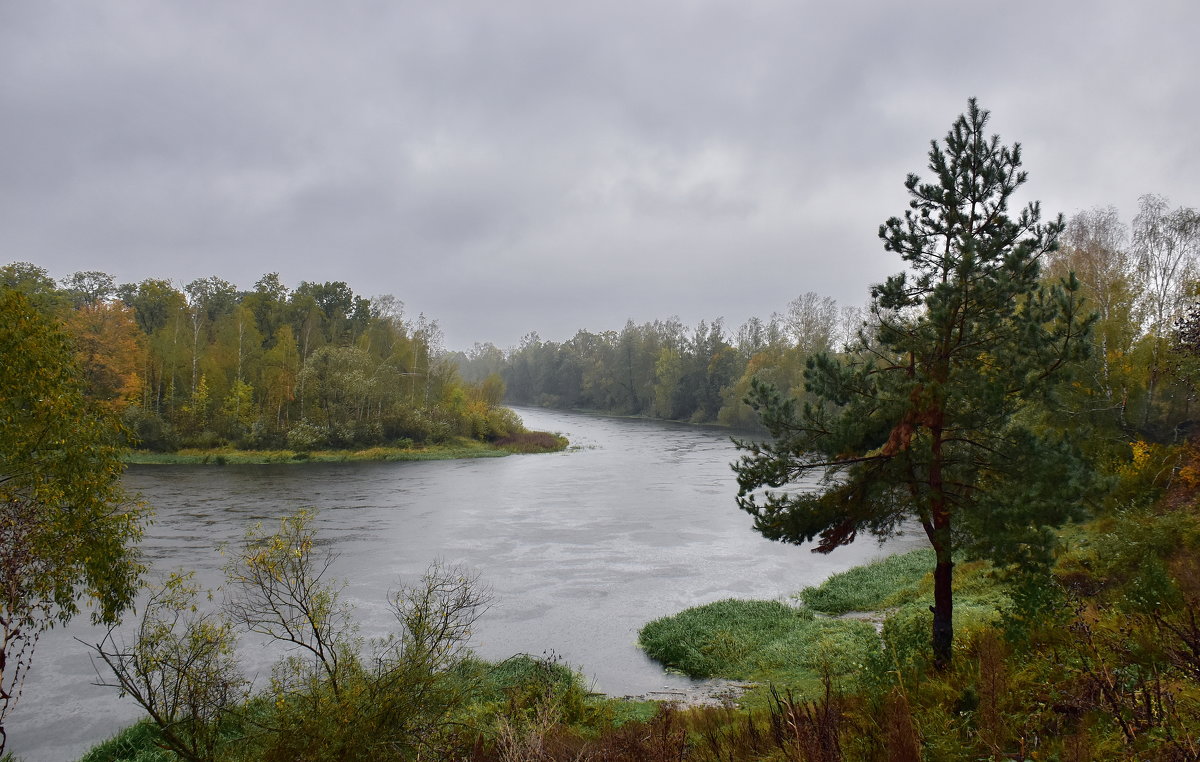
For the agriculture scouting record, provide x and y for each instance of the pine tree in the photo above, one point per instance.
(932, 415)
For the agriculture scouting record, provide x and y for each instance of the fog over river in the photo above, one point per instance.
(580, 548)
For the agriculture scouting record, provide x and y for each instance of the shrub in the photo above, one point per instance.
(333, 696)
(149, 431)
(304, 437)
(532, 442)
(140, 742)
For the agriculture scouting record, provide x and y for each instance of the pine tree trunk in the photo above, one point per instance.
(943, 593)
(943, 609)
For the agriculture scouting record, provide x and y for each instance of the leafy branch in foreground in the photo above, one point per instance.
(332, 696)
(181, 667)
(67, 529)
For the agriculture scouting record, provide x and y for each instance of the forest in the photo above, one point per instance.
(208, 365)
(1139, 276)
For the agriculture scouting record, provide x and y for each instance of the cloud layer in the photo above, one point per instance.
(548, 166)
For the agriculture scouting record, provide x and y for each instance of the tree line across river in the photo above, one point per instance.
(1139, 379)
(208, 365)
(318, 366)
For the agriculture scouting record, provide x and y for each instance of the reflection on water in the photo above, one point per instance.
(580, 549)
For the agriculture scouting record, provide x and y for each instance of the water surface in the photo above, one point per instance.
(580, 549)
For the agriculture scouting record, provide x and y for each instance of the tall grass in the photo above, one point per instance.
(888, 582)
(528, 442)
(460, 447)
(742, 640)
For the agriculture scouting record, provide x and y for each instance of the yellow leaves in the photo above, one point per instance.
(1190, 475)
(1141, 453)
(1155, 465)
(987, 362)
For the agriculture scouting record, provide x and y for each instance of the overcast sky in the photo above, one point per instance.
(512, 166)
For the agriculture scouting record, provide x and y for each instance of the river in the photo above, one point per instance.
(580, 549)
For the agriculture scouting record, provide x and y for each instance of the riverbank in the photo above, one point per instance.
(580, 551)
(531, 442)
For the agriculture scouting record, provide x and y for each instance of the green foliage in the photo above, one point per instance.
(316, 367)
(1103, 680)
(181, 667)
(66, 527)
(906, 631)
(1038, 603)
(1151, 589)
(140, 742)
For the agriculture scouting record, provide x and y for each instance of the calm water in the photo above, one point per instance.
(580, 549)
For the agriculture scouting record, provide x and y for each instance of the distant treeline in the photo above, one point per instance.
(208, 364)
(665, 369)
(1141, 280)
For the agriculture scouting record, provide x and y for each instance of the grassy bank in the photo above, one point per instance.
(524, 443)
(827, 630)
(1096, 670)
(1099, 660)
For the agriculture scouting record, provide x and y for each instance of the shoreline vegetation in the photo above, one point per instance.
(845, 663)
(524, 443)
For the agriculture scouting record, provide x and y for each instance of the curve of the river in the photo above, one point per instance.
(580, 548)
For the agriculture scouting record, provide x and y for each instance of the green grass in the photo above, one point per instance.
(522, 681)
(758, 640)
(494, 681)
(899, 580)
(137, 743)
(533, 442)
(882, 584)
(770, 641)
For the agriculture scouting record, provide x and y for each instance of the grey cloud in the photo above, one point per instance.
(548, 166)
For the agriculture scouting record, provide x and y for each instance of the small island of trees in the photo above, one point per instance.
(208, 367)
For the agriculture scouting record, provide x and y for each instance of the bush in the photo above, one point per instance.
(906, 632)
(406, 423)
(149, 431)
(502, 422)
(205, 440)
(140, 742)
(304, 437)
(532, 442)
(333, 696)
(263, 436)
